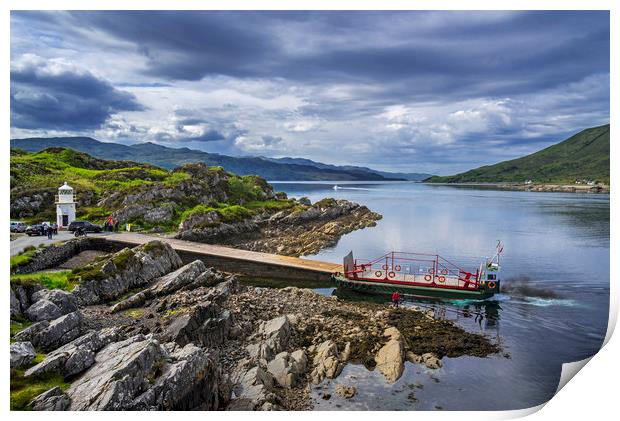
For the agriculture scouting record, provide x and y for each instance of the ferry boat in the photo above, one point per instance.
(420, 275)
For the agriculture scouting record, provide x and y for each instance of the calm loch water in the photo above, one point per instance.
(555, 268)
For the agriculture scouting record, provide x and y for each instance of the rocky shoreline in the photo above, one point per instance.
(143, 331)
(299, 230)
(537, 187)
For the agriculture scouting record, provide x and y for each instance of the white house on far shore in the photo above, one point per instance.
(65, 205)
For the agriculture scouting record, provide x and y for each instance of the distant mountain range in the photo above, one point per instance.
(584, 156)
(282, 169)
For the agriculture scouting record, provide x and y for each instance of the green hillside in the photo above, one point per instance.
(584, 156)
(104, 187)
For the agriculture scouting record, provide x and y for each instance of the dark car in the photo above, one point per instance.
(36, 229)
(87, 226)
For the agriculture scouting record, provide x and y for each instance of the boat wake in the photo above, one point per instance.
(524, 287)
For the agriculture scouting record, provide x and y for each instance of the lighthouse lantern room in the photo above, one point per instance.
(65, 205)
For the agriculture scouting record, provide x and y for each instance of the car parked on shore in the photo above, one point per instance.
(36, 229)
(18, 226)
(85, 225)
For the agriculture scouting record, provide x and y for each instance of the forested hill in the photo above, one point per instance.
(584, 156)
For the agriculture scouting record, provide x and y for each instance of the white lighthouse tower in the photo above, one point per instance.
(65, 205)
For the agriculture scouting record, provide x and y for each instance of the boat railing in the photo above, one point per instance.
(439, 268)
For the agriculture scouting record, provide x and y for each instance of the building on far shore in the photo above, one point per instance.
(65, 205)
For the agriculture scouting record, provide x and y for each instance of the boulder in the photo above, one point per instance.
(252, 387)
(189, 382)
(326, 362)
(390, 358)
(121, 372)
(288, 370)
(52, 400)
(205, 324)
(22, 353)
(429, 359)
(125, 270)
(65, 301)
(16, 309)
(274, 335)
(77, 355)
(51, 335)
(43, 310)
(346, 392)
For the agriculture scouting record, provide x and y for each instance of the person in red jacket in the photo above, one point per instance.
(395, 298)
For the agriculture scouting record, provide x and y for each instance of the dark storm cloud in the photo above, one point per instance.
(519, 53)
(48, 96)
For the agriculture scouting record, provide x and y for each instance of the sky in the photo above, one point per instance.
(414, 91)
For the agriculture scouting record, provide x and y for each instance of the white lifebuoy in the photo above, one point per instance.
(378, 274)
(397, 268)
(391, 274)
(441, 279)
(427, 277)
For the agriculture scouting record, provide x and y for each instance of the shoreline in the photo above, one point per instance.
(533, 187)
(250, 348)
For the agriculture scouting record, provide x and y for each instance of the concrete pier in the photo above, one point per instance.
(249, 263)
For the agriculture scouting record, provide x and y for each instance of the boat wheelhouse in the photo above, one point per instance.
(421, 275)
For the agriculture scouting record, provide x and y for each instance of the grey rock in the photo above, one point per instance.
(205, 324)
(164, 285)
(190, 382)
(288, 370)
(43, 310)
(77, 355)
(121, 372)
(22, 353)
(51, 335)
(390, 358)
(126, 270)
(16, 309)
(52, 400)
(65, 301)
(252, 387)
(274, 335)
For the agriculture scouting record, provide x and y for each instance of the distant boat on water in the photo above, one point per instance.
(336, 187)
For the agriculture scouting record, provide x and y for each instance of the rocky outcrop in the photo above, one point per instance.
(299, 230)
(77, 355)
(51, 335)
(288, 368)
(390, 358)
(120, 373)
(195, 272)
(27, 205)
(52, 400)
(22, 353)
(326, 362)
(252, 388)
(127, 269)
(58, 253)
(189, 382)
(206, 324)
(273, 338)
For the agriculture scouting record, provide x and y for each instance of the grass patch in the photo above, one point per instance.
(90, 272)
(17, 325)
(23, 389)
(23, 258)
(50, 280)
(174, 312)
(135, 313)
(121, 258)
